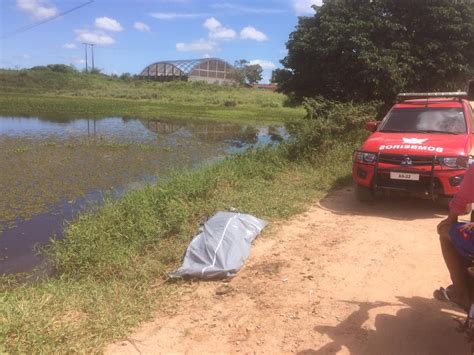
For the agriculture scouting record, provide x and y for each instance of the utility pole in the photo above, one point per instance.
(85, 47)
(92, 56)
(92, 48)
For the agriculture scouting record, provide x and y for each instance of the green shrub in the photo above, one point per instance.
(326, 123)
(230, 103)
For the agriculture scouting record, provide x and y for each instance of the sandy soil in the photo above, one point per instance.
(343, 278)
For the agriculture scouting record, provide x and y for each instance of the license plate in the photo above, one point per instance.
(404, 176)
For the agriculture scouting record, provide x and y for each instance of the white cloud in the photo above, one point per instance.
(79, 61)
(223, 33)
(217, 31)
(175, 15)
(94, 37)
(212, 24)
(69, 46)
(233, 8)
(108, 24)
(207, 55)
(201, 45)
(22, 56)
(38, 9)
(303, 7)
(141, 27)
(250, 32)
(265, 64)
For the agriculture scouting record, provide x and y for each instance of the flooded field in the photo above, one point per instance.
(50, 170)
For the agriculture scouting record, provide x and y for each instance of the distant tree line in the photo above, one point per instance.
(63, 68)
(372, 49)
(59, 68)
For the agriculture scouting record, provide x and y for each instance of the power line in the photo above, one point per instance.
(36, 24)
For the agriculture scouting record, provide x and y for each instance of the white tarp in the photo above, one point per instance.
(221, 248)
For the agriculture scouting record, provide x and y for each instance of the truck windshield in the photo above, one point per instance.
(425, 119)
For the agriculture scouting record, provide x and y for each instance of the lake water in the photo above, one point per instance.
(51, 170)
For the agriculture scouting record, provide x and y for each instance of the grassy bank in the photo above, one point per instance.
(72, 94)
(111, 264)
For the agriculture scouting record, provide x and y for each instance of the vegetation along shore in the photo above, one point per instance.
(61, 92)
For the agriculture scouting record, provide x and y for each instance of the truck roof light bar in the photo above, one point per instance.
(427, 95)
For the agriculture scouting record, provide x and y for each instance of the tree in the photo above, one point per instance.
(373, 49)
(59, 68)
(253, 73)
(126, 77)
(238, 72)
(244, 72)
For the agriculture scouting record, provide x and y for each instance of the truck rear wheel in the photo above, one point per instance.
(443, 201)
(363, 193)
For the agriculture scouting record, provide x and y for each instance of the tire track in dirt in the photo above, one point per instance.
(342, 278)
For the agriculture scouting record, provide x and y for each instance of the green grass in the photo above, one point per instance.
(110, 263)
(71, 95)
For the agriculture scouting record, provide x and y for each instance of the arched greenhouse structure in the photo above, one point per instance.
(211, 70)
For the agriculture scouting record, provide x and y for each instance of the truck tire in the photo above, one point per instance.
(363, 193)
(444, 202)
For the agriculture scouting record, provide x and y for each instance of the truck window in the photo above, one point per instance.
(426, 120)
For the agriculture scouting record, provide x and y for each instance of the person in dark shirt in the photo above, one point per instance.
(457, 245)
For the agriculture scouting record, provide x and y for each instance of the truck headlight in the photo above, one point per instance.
(364, 157)
(455, 162)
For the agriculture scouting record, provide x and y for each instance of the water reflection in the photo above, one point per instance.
(139, 130)
(50, 169)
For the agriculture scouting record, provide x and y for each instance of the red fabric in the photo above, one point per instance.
(465, 195)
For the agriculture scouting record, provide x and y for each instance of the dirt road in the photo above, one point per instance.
(343, 278)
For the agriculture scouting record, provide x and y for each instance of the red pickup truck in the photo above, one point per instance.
(421, 147)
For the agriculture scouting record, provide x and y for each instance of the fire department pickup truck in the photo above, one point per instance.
(421, 147)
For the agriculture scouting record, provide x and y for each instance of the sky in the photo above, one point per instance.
(129, 35)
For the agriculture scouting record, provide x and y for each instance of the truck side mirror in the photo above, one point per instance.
(372, 126)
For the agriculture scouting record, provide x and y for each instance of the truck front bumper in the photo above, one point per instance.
(434, 180)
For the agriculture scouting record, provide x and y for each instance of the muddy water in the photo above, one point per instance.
(50, 170)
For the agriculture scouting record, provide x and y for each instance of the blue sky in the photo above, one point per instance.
(129, 35)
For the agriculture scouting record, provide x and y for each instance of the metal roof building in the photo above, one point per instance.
(211, 70)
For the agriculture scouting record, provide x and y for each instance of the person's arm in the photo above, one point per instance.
(452, 217)
(459, 204)
(465, 196)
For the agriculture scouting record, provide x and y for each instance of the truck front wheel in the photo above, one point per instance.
(363, 193)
